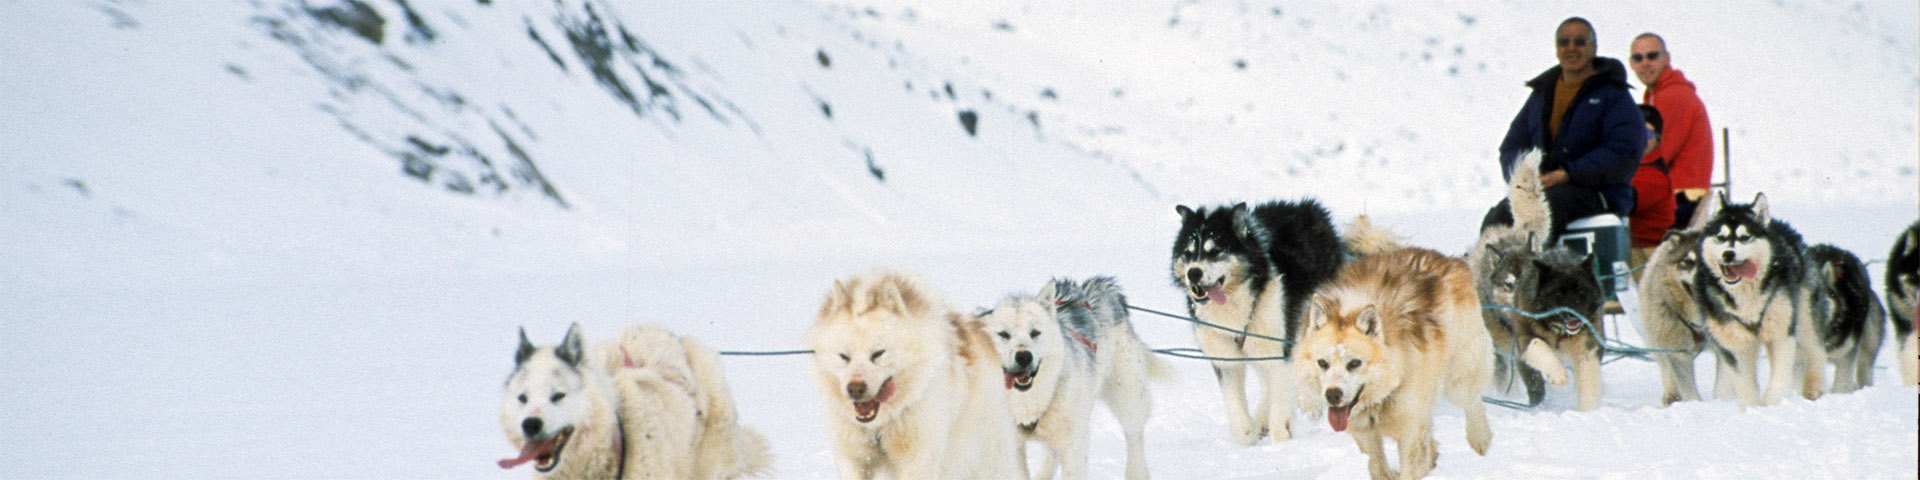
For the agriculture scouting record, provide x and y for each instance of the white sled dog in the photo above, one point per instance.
(1755, 288)
(646, 405)
(1060, 350)
(1670, 316)
(1384, 341)
(911, 387)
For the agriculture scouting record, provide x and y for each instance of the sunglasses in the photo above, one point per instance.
(1650, 56)
(1575, 41)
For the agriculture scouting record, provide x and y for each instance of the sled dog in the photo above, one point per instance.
(1251, 269)
(1060, 350)
(1497, 258)
(1552, 283)
(1670, 317)
(1847, 315)
(1755, 288)
(1902, 284)
(912, 388)
(1392, 334)
(648, 404)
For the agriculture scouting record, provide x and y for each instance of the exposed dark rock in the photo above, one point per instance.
(968, 120)
(354, 16)
(874, 168)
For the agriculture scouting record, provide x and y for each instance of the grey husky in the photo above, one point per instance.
(1513, 267)
(1670, 316)
(1552, 283)
(1755, 287)
(1847, 315)
(1903, 284)
(1061, 350)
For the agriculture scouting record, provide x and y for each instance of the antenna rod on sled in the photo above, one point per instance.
(1726, 163)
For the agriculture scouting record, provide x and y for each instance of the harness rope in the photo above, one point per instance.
(1606, 344)
(748, 353)
(1201, 322)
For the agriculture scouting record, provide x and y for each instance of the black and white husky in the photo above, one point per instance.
(1062, 349)
(1755, 288)
(1847, 314)
(1253, 269)
(1903, 284)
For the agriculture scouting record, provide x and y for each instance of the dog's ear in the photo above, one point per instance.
(1760, 208)
(1709, 205)
(1319, 310)
(1243, 224)
(572, 347)
(887, 293)
(1912, 241)
(1669, 235)
(838, 297)
(1050, 293)
(1183, 211)
(1369, 322)
(526, 349)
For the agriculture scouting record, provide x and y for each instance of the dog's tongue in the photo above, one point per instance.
(1747, 270)
(1216, 294)
(1010, 377)
(529, 453)
(1337, 417)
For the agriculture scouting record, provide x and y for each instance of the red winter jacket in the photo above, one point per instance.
(1653, 204)
(1686, 140)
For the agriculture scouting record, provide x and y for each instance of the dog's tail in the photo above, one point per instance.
(1528, 199)
(750, 455)
(756, 458)
(1363, 238)
(1103, 297)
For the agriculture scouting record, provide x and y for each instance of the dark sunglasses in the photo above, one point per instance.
(1575, 41)
(1650, 56)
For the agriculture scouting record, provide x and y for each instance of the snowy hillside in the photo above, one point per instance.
(293, 239)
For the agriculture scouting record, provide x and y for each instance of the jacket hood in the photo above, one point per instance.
(1605, 70)
(1670, 79)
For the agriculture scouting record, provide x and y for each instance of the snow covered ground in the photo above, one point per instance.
(238, 241)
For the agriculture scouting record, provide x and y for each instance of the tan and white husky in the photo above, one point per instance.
(1384, 341)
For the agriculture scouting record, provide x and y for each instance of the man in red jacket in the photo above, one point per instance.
(1686, 141)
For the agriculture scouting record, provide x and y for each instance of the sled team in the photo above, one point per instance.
(1356, 329)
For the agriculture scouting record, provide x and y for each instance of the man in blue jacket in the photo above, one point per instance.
(1589, 128)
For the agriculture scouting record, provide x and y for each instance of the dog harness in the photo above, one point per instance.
(1076, 335)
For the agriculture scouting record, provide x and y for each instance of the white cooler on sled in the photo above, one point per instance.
(1604, 236)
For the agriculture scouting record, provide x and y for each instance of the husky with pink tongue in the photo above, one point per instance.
(1384, 341)
(1755, 287)
(1250, 269)
(649, 404)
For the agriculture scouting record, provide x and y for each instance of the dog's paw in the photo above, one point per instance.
(1669, 398)
(1247, 436)
(1555, 376)
(1279, 432)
